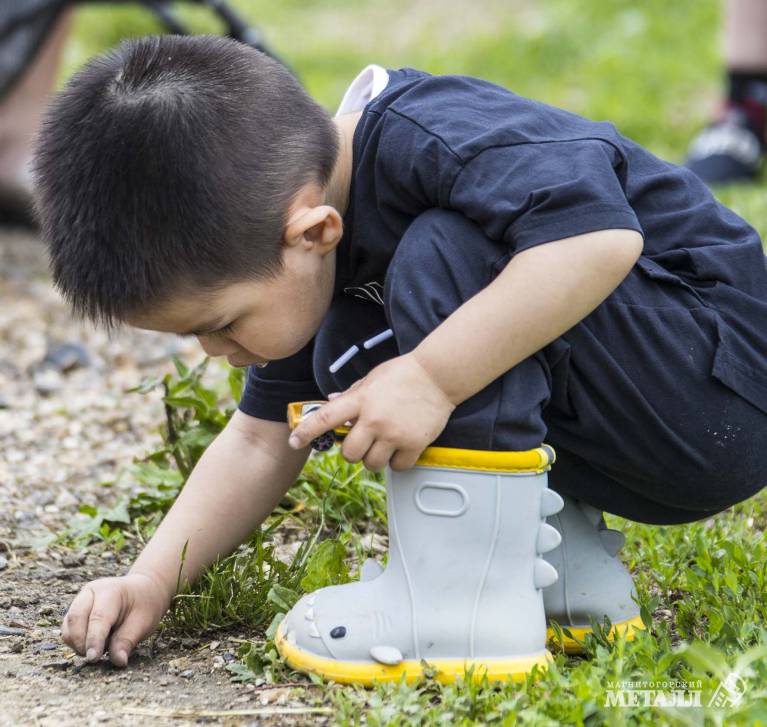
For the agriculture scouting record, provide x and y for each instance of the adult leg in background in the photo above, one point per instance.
(732, 147)
(20, 115)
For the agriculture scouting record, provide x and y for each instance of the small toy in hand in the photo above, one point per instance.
(299, 410)
(324, 442)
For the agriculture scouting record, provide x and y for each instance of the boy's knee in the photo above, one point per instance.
(442, 260)
(440, 238)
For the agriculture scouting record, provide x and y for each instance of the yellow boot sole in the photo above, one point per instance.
(368, 673)
(571, 646)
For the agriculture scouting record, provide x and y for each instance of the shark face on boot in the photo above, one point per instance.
(463, 584)
(593, 583)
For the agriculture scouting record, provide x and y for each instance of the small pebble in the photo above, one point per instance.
(44, 646)
(47, 381)
(3, 562)
(59, 664)
(187, 673)
(8, 631)
(72, 560)
(66, 357)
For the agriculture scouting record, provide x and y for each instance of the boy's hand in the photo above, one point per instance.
(397, 410)
(114, 614)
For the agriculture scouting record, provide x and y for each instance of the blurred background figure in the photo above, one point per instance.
(32, 36)
(30, 51)
(733, 146)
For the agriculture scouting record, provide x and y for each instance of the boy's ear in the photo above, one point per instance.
(321, 226)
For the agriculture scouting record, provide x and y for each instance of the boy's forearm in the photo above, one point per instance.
(236, 484)
(540, 294)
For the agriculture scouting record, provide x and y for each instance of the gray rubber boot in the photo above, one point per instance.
(593, 583)
(462, 587)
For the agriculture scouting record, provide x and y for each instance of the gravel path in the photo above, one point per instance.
(62, 432)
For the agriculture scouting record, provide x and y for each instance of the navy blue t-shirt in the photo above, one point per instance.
(527, 173)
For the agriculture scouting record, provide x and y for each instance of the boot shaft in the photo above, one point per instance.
(465, 539)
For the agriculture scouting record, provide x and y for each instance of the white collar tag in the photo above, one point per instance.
(363, 89)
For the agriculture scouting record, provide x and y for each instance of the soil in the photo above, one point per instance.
(68, 424)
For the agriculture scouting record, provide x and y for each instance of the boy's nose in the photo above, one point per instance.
(218, 346)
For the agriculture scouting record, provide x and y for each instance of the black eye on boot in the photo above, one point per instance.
(338, 632)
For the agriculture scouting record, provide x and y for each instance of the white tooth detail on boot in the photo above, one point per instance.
(548, 538)
(612, 540)
(551, 503)
(386, 655)
(370, 569)
(462, 581)
(593, 583)
(545, 574)
(593, 515)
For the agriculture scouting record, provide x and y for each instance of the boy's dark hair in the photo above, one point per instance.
(168, 165)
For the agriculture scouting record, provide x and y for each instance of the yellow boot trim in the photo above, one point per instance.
(529, 461)
(571, 646)
(535, 460)
(368, 673)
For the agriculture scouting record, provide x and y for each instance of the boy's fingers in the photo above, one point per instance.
(356, 443)
(124, 641)
(378, 456)
(404, 459)
(325, 419)
(75, 625)
(104, 614)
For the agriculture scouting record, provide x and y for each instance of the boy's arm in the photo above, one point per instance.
(542, 292)
(236, 484)
(401, 406)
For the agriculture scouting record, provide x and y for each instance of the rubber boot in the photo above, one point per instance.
(593, 583)
(462, 587)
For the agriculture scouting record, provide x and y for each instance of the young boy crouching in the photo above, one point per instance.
(487, 280)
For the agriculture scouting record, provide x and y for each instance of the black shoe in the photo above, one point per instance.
(728, 150)
(16, 209)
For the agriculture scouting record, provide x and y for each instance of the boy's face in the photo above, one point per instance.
(256, 321)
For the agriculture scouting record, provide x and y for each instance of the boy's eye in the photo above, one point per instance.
(223, 330)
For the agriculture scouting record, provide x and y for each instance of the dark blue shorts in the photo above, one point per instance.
(654, 403)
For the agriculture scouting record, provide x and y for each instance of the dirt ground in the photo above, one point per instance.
(66, 425)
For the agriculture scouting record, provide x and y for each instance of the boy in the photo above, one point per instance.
(543, 276)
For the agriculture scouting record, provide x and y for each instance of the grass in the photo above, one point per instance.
(653, 68)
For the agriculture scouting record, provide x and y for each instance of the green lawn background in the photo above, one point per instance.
(653, 68)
